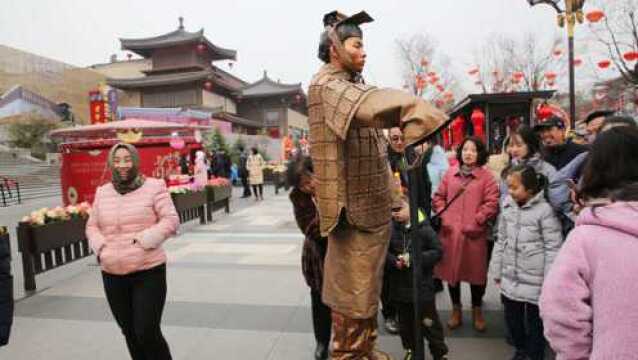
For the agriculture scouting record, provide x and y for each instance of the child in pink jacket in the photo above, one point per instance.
(131, 217)
(589, 301)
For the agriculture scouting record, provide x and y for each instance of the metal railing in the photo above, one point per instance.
(9, 190)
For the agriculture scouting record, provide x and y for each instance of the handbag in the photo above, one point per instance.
(435, 220)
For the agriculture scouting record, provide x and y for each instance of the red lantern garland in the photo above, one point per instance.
(458, 130)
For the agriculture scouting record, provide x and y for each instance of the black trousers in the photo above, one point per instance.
(259, 187)
(321, 319)
(526, 327)
(137, 303)
(478, 291)
(431, 327)
(388, 309)
(246, 186)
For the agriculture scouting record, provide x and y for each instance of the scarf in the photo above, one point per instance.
(466, 170)
(134, 180)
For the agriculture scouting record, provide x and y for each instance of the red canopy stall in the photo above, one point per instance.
(84, 151)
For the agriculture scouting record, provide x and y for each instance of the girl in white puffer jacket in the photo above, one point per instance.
(529, 237)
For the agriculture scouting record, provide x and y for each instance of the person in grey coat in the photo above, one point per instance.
(529, 237)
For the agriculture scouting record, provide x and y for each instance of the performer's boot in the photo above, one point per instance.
(354, 339)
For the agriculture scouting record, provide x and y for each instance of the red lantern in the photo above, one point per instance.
(595, 15)
(551, 84)
(578, 62)
(208, 85)
(550, 75)
(478, 122)
(440, 88)
(446, 138)
(518, 75)
(631, 55)
(434, 80)
(604, 64)
(458, 130)
(432, 74)
(557, 52)
(201, 48)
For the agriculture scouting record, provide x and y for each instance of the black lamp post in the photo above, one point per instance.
(570, 16)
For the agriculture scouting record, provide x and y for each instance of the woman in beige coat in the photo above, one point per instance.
(255, 167)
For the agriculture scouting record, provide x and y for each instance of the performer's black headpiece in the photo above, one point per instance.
(345, 27)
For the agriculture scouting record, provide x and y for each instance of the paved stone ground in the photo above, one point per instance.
(235, 292)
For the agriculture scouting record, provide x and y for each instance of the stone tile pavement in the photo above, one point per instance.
(235, 291)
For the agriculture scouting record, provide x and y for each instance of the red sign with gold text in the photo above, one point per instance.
(83, 170)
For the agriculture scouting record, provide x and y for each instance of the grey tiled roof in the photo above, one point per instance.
(160, 80)
(143, 46)
(268, 87)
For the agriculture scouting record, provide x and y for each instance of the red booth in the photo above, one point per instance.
(84, 151)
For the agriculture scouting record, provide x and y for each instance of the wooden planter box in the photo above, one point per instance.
(49, 246)
(218, 197)
(190, 206)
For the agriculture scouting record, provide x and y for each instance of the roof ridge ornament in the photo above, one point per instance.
(181, 23)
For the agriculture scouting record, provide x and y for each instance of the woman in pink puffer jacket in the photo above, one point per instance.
(132, 216)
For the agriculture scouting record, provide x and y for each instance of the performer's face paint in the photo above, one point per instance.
(353, 47)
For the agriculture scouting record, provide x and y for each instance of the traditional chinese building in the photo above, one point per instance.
(179, 71)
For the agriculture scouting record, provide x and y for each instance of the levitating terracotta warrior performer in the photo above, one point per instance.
(354, 195)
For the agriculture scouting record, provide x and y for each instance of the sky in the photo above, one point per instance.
(279, 36)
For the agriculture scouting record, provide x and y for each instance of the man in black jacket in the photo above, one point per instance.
(558, 150)
(6, 288)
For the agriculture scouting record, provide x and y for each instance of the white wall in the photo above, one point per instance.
(297, 120)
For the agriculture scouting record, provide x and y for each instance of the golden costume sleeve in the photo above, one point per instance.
(385, 108)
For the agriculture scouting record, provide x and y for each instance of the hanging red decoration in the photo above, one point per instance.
(201, 48)
(604, 64)
(550, 84)
(478, 123)
(434, 80)
(432, 74)
(208, 85)
(578, 62)
(631, 55)
(595, 15)
(550, 75)
(557, 52)
(446, 138)
(440, 88)
(518, 75)
(424, 62)
(458, 130)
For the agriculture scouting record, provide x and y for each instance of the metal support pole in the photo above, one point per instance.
(571, 24)
(415, 251)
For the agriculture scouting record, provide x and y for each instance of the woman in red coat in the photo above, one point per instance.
(471, 195)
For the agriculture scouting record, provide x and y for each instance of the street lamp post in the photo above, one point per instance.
(570, 16)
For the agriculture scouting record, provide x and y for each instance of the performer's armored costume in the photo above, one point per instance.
(354, 196)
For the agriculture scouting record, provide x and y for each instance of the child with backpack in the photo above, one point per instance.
(528, 240)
